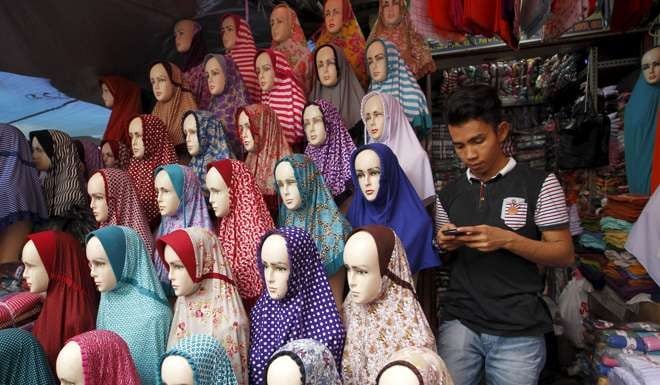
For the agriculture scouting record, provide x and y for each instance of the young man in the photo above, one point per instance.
(508, 219)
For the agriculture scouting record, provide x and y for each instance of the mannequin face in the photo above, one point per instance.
(651, 66)
(246, 134)
(168, 201)
(288, 186)
(215, 76)
(280, 24)
(367, 169)
(363, 271)
(109, 159)
(276, 266)
(283, 371)
(35, 273)
(182, 283)
(106, 95)
(377, 62)
(374, 117)
(314, 126)
(160, 83)
(391, 12)
(265, 72)
(228, 33)
(135, 132)
(332, 12)
(398, 375)
(99, 265)
(184, 31)
(99, 202)
(69, 365)
(190, 131)
(39, 157)
(176, 371)
(219, 193)
(326, 66)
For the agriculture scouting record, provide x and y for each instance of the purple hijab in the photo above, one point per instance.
(333, 158)
(307, 311)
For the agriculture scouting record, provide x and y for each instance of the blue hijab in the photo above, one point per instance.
(398, 206)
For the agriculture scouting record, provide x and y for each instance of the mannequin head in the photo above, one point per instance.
(182, 283)
(135, 133)
(374, 117)
(190, 131)
(168, 200)
(367, 170)
(35, 273)
(362, 267)
(161, 84)
(69, 365)
(39, 157)
(275, 259)
(398, 375)
(215, 76)
(377, 61)
(265, 71)
(106, 95)
(109, 159)
(283, 371)
(280, 24)
(99, 265)
(651, 66)
(176, 370)
(219, 193)
(326, 66)
(333, 13)
(99, 202)
(391, 12)
(314, 126)
(246, 133)
(184, 31)
(228, 33)
(288, 185)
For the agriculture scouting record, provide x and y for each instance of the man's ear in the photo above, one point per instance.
(502, 131)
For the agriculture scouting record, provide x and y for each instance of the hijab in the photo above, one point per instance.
(194, 74)
(295, 50)
(171, 112)
(126, 104)
(425, 364)
(23, 359)
(314, 360)
(90, 154)
(243, 54)
(120, 151)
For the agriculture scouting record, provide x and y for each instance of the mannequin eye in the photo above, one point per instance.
(360, 174)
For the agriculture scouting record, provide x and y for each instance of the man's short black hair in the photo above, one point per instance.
(474, 102)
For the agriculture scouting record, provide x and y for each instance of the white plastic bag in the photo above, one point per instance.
(574, 308)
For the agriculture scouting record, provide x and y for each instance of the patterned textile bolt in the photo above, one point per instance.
(23, 360)
(171, 112)
(296, 51)
(427, 365)
(315, 361)
(243, 54)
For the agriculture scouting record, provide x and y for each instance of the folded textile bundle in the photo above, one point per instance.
(621, 376)
(19, 308)
(646, 369)
(592, 240)
(626, 206)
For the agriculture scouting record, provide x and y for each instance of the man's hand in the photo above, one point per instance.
(485, 238)
(447, 242)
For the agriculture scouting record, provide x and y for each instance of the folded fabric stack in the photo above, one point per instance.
(636, 370)
(626, 276)
(19, 309)
(615, 232)
(626, 207)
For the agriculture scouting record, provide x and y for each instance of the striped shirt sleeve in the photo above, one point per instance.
(441, 216)
(551, 212)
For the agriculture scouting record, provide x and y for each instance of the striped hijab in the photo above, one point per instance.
(296, 51)
(243, 53)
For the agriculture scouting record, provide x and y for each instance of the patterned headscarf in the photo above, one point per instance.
(225, 105)
(243, 54)
(315, 361)
(207, 359)
(158, 150)
(171, 112)
(426, 364)
(124, 206)
(126, 104)
(350, 39)
(215, 308)
(318, 213)
(212, 143)
(136, 308)
(400, 83)
(106, 359)
(393, 321)
(23, 359)
(120, 151)
(193, 74)
(333, 158)
(414, 50)
(25, 199)
(307, 311)
(296, 51)
(241, 229)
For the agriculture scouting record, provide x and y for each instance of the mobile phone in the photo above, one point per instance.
(454, 232)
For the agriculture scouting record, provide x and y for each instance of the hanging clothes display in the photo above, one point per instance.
(193, 74)
(23, 359)
(126, 104)
(314, 360)
(243, 53)
(295, 49)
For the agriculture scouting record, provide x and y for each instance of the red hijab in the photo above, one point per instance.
(127, 104)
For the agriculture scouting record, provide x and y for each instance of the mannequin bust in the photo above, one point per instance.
(651, 66)
(176, 371)
(39, 157)
(99, 264)
(184, 31)
(135, 132)
(377, 62)
(265, 71)
(12, 240)
(228, 33)
(367, 169)
(168, 200)
(219, 193)
(215, 76)
(190, 131)
(283, 371)
(161, 84)
(280, 24)
(374, 115)
(35, 273)
(288, 186)
(392, 12)
(362, 266)
(246, 133)
(109, 159)
(314, 126)
(326, 66)
(99, 202)
(182, 283)
(69, 365)
(106, 95)
(398, 375)
(333, 13)
(275, 259)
